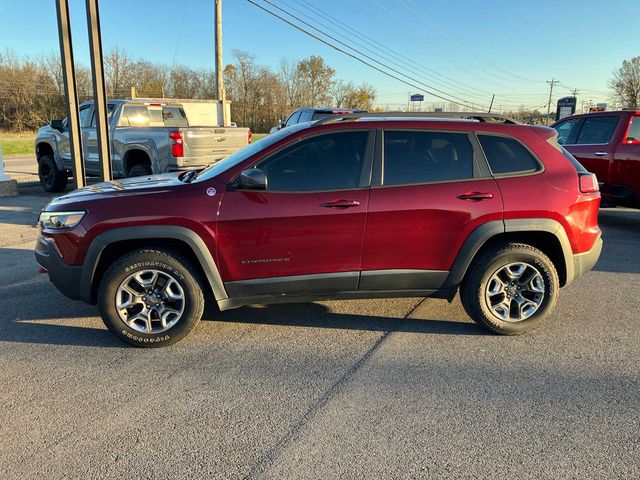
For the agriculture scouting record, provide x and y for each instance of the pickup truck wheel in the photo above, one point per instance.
(149, 298)
(511, 289)
(139, 170)
(51, 178)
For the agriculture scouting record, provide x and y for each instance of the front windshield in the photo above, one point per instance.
(245, 152)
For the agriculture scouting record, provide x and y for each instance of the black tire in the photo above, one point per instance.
(474, 294)
(51, 178)
(139, 170)
(170, 266)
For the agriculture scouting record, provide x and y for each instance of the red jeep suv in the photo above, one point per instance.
(351, 206)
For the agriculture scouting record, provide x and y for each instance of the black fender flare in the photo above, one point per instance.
(483, 233)
(155, 232)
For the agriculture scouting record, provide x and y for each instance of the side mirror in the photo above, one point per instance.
(57, 124)
(251, 179)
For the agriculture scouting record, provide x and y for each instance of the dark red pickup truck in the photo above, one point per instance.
(607, 144)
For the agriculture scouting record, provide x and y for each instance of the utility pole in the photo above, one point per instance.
(552, 83)
(220, 96)
(492, 99)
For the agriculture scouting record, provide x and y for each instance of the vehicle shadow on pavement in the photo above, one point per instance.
(37, 332)
(316, 315)
(621, 235)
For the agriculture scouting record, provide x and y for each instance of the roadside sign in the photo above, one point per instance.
(566, 107)
(417, 97)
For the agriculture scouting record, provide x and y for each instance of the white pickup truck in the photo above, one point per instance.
(147, 136)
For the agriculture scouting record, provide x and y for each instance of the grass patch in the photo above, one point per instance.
(17, 146)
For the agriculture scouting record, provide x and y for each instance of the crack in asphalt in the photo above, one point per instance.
(269, 457)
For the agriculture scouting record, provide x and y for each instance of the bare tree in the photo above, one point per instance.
(316, 77)
(626, 84)
(291, 82)
(341, 92)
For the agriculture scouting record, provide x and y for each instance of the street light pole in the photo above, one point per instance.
(220, 95)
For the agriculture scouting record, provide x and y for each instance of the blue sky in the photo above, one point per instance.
(467, 49)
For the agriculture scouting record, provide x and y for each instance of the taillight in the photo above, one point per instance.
(249, 135)
(588, 183)
(177, 147)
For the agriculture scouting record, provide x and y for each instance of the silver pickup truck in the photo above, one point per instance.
(146, 137)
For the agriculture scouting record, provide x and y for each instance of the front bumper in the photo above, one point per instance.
(584, 262)
(66, 278)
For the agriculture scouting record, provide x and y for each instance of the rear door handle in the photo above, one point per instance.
(601, 154)
(341, 204)
(476, 196)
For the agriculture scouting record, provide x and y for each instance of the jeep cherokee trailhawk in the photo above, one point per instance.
(351, 206)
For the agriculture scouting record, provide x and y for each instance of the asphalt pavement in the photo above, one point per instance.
(402, 388)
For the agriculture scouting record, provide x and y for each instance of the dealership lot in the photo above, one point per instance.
(400, 388)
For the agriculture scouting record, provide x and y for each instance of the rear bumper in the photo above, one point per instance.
(66, 278)
(584, 262)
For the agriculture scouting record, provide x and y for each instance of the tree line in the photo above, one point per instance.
(32, 90)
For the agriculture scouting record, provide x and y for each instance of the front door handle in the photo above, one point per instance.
(601, 154)
(341, 204)
(476, 196)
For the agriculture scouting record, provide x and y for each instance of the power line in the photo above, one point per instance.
(379, 47)
(413, 79)
(297, 27)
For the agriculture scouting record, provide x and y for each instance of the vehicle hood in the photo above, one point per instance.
(118, 188)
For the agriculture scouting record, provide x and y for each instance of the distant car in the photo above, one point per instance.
(343, 208)
(147, 137)
(607, 143)
(311, 114)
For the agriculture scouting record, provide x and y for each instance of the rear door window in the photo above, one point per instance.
(507, 155)
(153, 116)
(597, 130)
(412, 157)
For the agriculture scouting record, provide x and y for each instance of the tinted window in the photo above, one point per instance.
(421, 157)
(326, 162)
(135, 116)
(633, 135)
(293, 119)
(305, 116)
(84, 116)
(566, 129)
(109, 113)
(153, 116)
(506, 155)
(597, 130)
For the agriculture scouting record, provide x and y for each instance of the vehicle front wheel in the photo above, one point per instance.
(51, 178)
(510, 289)
(150, 298)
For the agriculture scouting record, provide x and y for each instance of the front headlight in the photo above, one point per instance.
(56, 220)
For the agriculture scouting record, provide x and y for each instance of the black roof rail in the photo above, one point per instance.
(477, 116)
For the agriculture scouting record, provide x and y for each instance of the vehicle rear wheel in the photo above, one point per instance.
(139, 170)
(511, 289)
(149, 298)
(51, 178)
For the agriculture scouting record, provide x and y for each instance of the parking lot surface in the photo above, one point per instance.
(399, 388)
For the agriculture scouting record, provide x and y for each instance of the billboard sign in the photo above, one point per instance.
(566, 107)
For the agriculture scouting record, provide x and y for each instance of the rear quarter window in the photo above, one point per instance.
(633, 134)
(507, 155)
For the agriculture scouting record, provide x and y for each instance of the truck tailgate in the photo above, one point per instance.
(202, 145)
